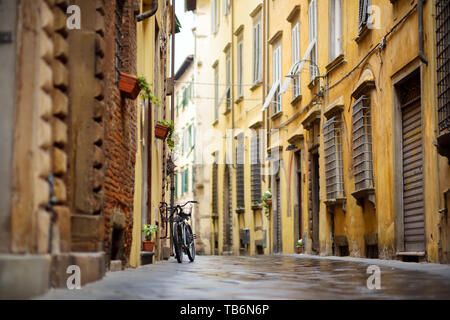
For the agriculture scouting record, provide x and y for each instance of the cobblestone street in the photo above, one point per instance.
(268, 277)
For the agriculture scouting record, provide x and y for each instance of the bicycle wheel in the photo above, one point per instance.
(190, 250)
(177, 242)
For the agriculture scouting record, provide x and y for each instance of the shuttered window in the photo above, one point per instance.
(362, 144)
(335, 29)
(296, 57)
(240, 156)
(255, 149)
(363, 14)
(228, 76)
(215, 16)
(443, 62)
(257, 65)
(333, 158)
(226, 7)
(276, 71)
(312, 15)
(215, 167)
(216, 93)
(240, 69)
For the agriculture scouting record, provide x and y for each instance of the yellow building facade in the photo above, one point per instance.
(152, 185)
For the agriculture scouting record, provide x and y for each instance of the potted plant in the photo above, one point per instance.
(129, 86)
(165, 129)
(147, 93)
(266, 201)
(299, 246)
(149, 230)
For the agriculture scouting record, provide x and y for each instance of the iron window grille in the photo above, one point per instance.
(443, 62)
(215, 206)
(240, 191)
(119, 36)
(332, 133)
(362, 144)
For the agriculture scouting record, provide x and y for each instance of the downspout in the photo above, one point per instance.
(263, 62)
(149, 13)
(421, 38)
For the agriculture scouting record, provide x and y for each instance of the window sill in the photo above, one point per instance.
(240, 210)
(215, 123)
(256, 85)
(239, 100)
(363, 194)
(276, 115)
(339, 60)
(313, 83)
(296, 99)
(362, 35)
(331, 204)
(227, 111)
(256, 206)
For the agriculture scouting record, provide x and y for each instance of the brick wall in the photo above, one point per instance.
(120, 132)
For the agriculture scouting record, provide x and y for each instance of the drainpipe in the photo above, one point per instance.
(421, 40)
(149, 13)
(172, 115)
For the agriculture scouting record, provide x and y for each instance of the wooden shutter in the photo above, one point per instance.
(278, 244)
(255, 168)
(413, 198)
(215, 207)
(240, 156)
(363, 13)
(362, 144)
(296, 56)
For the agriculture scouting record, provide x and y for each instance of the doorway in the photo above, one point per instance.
(227, 213)
(277, 245)
(298, 229)
(314, 201)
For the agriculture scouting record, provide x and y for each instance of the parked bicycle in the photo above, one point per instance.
(183, 237)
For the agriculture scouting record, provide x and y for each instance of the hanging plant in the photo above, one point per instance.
(170, 134)
(146, 92)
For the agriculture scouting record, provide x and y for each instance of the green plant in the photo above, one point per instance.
(171, 136)
(149, 230)
(267, 195)
(299, 243)
(147, 93)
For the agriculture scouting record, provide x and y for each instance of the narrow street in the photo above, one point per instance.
(267, 277)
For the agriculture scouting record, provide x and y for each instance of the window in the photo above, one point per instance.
(240, 156)
(335, 29)
(228, 76)
(215, 16)
(257, 52)
(312, 14)
(443, 62)
(362, 144)
(240, 69)
(332, 133)
(226, 7)
(296, 57)
(215, 168)
(276, 73)
(255, 151)
(118, 61)
(185, 182)
(216, 93)
(363, 14)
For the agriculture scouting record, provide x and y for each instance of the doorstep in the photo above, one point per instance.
(146, 257)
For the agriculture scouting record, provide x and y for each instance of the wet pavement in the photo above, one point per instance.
(267, 277)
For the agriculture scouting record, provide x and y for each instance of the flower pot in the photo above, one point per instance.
(148, 246)
(299, 249)
(161, 131)
(269, 201)
(129, 86)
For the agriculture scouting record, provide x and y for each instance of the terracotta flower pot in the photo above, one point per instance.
(129, 86)
(148, 246)
(161, 131)
(269, 201)
(299, 249)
